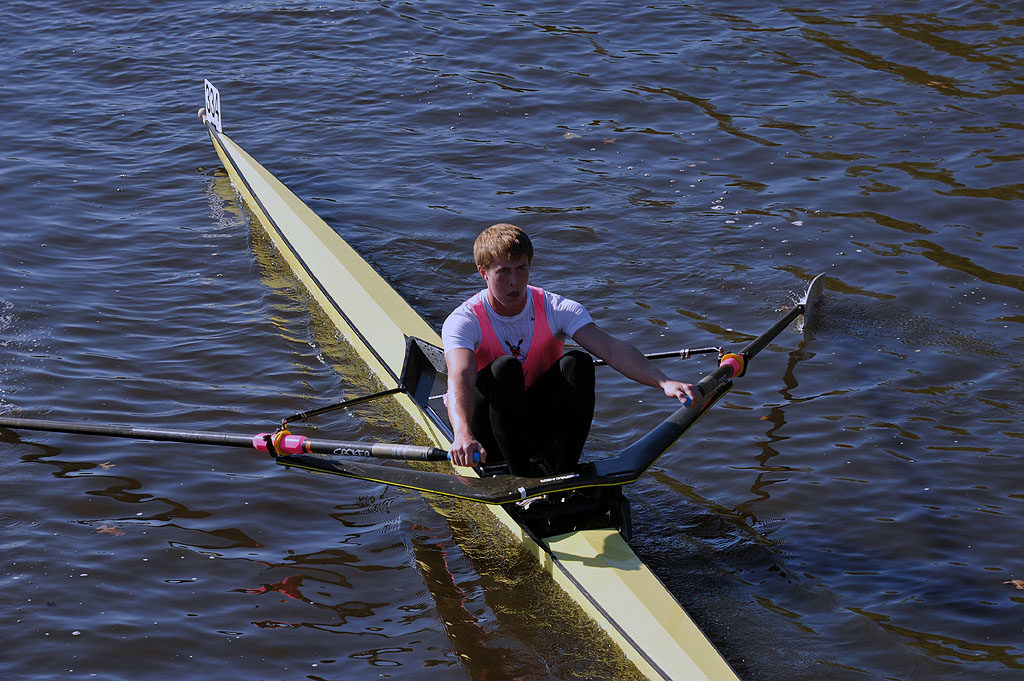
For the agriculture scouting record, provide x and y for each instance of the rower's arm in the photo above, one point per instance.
(461, 383)
(631, 363)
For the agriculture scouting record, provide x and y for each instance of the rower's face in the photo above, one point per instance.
(506, 283)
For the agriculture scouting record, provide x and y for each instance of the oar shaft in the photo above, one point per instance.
(283, 444)
(679, 354)
(735, 365)
(758, 344)
(131, 432)
(303, 415)
(300, 444)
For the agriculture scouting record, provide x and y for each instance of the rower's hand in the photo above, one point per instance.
(687, 393)
(463, 449)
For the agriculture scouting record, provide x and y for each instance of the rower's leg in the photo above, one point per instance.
(499, 417)
(561, 407)
(577, 369)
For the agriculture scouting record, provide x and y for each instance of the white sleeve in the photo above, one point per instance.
(461, 330)
(565, 316)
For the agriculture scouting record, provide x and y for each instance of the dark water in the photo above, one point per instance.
(851, 511)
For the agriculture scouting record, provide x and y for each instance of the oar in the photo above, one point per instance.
(735, 364)
(685, 353)
(303, 415)
(281, 443)
(631, 463)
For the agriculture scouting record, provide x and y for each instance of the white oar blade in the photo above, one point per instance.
(811, 300)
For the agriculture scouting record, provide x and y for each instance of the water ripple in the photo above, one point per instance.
(844, 514)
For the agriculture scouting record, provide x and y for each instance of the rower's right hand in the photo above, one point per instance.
(463, 449)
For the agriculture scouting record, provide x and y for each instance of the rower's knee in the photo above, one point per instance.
(578, 368)
(508, 371)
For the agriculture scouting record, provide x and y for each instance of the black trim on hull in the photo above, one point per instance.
(607, 616)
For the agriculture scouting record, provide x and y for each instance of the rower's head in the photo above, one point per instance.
(501, 242)
(503, 253)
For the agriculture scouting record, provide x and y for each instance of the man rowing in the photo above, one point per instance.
(512, 390)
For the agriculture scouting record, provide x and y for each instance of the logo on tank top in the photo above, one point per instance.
(514, 350)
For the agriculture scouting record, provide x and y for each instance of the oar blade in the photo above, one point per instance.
(811, 301)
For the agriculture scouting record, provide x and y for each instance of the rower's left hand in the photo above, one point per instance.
(686, 393)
